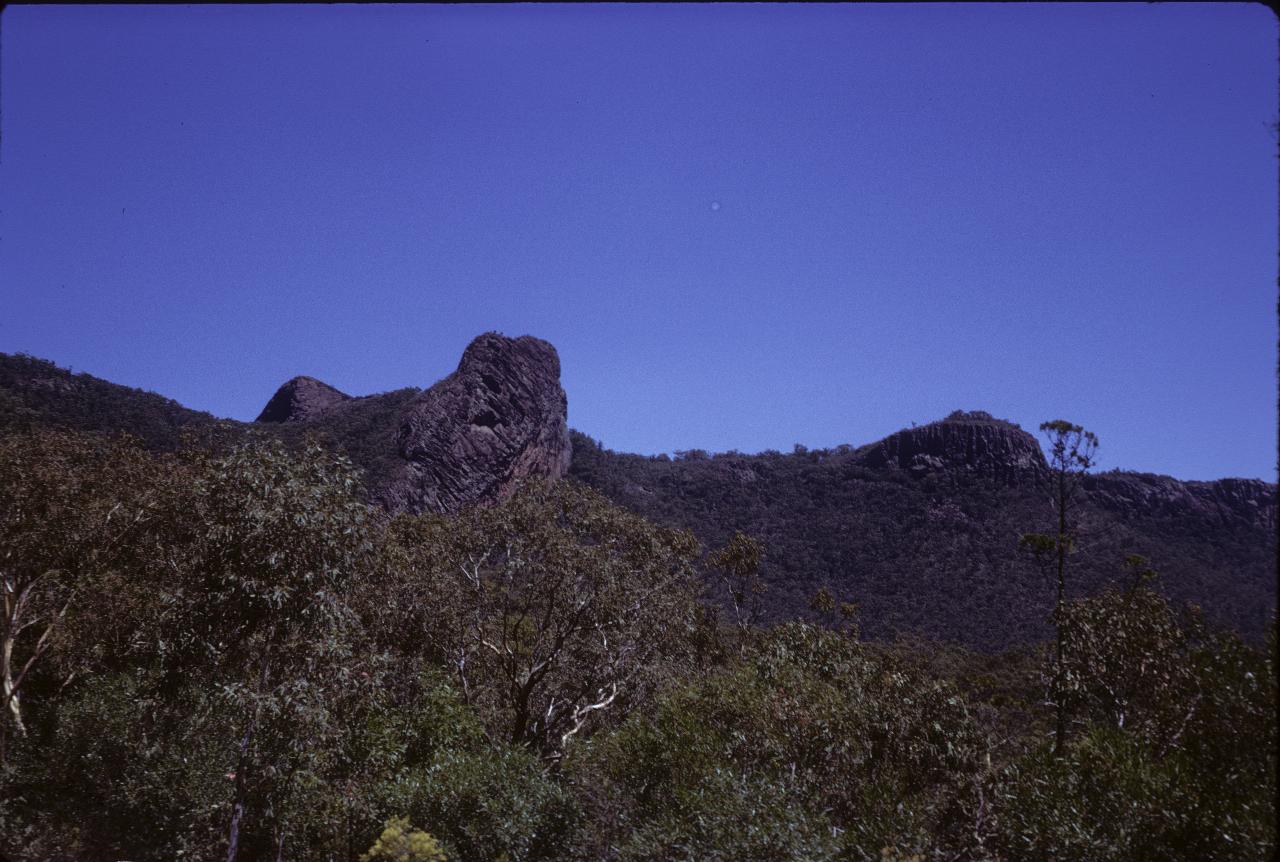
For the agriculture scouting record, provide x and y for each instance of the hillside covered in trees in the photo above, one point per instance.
(920, 530)
(228, 654)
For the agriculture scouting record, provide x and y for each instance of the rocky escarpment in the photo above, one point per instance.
(468, 440)
(301, 399)
(972, 442)
(1225, 502)
(472, 437)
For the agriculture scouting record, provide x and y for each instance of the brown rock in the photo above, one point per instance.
(471, 438)
(1224, 502)
(972, 442)
(301, 399)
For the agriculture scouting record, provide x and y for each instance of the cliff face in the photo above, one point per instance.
(1225, 502)
(968, 442)
(300, 399)
(472, 437)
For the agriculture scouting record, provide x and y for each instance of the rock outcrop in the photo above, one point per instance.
(472, 437)
(1225, 502)
(972, 442)
(469, 440)
(300, 400)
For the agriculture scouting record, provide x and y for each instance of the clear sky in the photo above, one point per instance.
(742, 226)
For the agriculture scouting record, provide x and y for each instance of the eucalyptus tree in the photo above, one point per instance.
(1072, 451)
(737, 565)
(72, 509)
(1128, 658)
(550, 609)
(256, 613)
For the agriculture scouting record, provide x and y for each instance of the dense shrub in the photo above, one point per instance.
(480, 799)
(835, 751)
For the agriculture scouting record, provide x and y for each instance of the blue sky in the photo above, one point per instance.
(742, 226)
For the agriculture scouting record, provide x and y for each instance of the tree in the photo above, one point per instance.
(1072, 452)
(738, 566)
(807, 746)
(400, 842)
(1205, 791)
(550, 609)
(70, 506)
(257, 613)
(1127, 658)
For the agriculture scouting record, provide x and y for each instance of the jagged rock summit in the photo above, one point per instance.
(469, 440)
(472, 437)
(973, 441)
(300, 399)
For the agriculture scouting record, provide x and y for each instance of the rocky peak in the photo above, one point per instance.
(300, 399)
(470, 439)
(972, 442)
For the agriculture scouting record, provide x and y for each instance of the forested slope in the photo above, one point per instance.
(928, 543)
(920, 529)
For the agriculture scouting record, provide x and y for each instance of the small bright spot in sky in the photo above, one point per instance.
(715, 205)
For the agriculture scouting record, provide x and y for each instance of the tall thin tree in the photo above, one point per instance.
(1072, 451)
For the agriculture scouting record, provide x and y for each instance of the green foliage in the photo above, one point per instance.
(36, 393)
(242, 659)
(936, 554)
(730, 816)
(400, 842)
(819, 738)
(73, 510)
(482, 799)
(362, 429)
(1071, 454)
(737, 566)
(1179, 758)
(1110, 797)
(931, 554)
(259, 617)
(1072, 449)
(1126, 660)
(1106, 799)
(121, 775)
(554, 609)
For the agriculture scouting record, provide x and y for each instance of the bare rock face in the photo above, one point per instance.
(471, 438)
(973, 442)
(300, 400)
(1225, 502)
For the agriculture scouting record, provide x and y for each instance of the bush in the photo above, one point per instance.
(820, 746)
(480, 799)
(1109, 798)
(400, 842)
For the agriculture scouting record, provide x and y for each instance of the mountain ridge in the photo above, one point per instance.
(55, 378)
(920, 527)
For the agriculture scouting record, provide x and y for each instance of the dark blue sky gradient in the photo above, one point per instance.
(742, 226)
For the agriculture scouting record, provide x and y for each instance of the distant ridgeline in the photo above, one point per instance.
(919, 529)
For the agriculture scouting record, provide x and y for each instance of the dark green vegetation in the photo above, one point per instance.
(35, 392)
(934, 551)
(225, 654)
(939, 646)
(921, 530)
